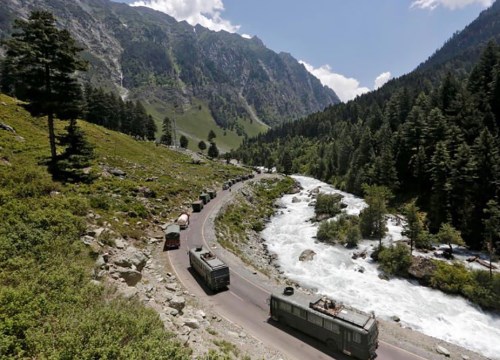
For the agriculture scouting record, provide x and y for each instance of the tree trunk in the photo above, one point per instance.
(52, 136)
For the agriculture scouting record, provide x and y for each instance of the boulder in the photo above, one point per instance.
(395, 318)
(87, 239)
(421, 269)
(191, 323)
(132, 257)
(307, 255)
(178, 302)
(117, 172)
(146, 192)
(295, 200)
(131, 276)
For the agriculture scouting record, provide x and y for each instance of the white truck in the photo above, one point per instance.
(183, 220)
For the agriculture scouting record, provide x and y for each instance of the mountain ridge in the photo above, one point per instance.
(148, 55)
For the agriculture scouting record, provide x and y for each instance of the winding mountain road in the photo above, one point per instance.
(245, 302)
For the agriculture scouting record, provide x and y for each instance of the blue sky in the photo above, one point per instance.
(353, 46)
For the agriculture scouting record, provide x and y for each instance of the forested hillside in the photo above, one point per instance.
(431, 135)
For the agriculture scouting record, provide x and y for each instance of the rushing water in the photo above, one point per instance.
(334, 273)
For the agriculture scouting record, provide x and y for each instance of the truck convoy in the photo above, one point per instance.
(211, 269)
(351, 331)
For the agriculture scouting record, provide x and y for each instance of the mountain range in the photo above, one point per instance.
(176, 68)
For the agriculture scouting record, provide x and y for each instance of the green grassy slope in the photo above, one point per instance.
(49, 308)
(196, 122)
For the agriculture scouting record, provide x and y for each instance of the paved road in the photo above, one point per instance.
(245, 303)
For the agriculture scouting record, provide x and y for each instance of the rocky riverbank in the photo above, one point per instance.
(391, 332)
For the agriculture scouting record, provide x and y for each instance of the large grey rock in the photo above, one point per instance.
(422, 268)
(132, 257)
(131, 276)
(295, 200)
(191, 323)
(178, 302)
(307, 255)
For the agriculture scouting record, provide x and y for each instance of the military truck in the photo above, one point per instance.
(197, 205)
(205, 198)
(212, 193)
(172, 237)
(211, 269)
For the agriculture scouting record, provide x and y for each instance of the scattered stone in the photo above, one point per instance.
(130, 292)
(191, 323)
(233, 334)
(307, 255)
(130, 276)
(146, 192)
(95, 282)
(87, 239)
(171, 311)
(120, 243)
(295, 200)
(117, 172)
(465, 357)
(99, 263)
(242, 335)
(395, 318)
(7, 128)
(178, 302)
(359, 269)
(383, 276)
(20, 138)
(172, 286)
(152, 178)
(359, 254)
(443, 351)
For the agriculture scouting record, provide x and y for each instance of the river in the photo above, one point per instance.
(332, 272)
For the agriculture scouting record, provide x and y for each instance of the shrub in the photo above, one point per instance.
(329, 204)
(450, 278)
(395, 260)
(345, 229)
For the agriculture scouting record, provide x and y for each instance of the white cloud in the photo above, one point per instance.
(246, 36)
(450, 4)
(382, 79)
(207, 13)
(346, 88)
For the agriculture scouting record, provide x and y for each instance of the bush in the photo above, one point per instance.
(329, 204)
(450, 278)
(395, 260)
(344, 230)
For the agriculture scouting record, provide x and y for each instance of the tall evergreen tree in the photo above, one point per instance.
(372, 218)
(202, 146)
(42, 62)
(213, 151)
(166, 137)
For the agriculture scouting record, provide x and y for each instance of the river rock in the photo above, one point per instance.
(307, 255)
(422, 268)
(443, 351)
(395, 318)
(295, 200)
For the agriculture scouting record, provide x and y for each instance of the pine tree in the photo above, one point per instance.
(202, 146)
(183, 142)
(449, 235)
(492, 229)
(73, 164)
(211, 136)
(213, 151)
(414, 226)
(42, 61)
(286, 162)
(166, 137)
(372, 218)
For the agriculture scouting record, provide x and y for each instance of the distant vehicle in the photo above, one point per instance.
(205, 198)
(212, 270)
(212, 193)
(342, 328)
(172, 237)
(226, 186)
(197, 205)
(183, 220)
